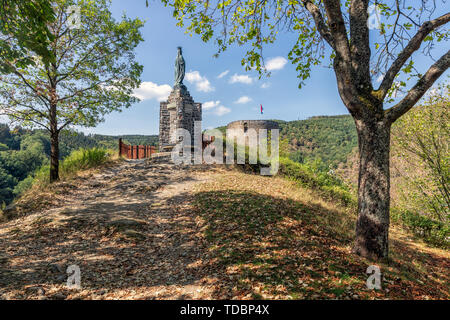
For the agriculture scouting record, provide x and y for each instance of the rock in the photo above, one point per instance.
(355, 296)
(61, 278)
(36, 290)
(102, 292)
(10, 211)
(59, 296)
(126, 223)
(133, 234)
(55, 268)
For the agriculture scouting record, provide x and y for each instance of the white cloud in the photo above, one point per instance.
(201, 82)
(265, 85)
(240, 78)
(223, 74)
(149, 90)
(221, 110)
(276, 63)
(243, 100)
(380, 77)
(215, 107)
(210, 105)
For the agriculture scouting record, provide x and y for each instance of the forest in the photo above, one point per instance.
(324, 139)
(23, 152)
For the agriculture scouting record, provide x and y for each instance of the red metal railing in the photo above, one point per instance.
(135, 152)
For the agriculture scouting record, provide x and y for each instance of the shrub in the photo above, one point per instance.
(430, 230)
(326, 184)
(82, 159)
(23, 186)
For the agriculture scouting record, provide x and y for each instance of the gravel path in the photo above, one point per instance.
(127, 228)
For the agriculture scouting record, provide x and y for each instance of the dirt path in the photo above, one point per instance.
(126, 227)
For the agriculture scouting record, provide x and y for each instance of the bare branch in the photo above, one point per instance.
(424, 83)
(319, 21)
(338, 31)
(413, 45)
(342, 61)
(359, 40)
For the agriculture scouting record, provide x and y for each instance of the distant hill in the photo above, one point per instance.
(133, 139)
(329, 139)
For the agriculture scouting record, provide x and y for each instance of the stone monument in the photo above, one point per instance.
(179, 111)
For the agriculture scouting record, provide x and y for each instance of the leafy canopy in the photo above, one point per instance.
(256, 23)
(94, 72)
(24, 30)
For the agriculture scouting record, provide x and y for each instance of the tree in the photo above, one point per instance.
(7, 183)
(340, 29)
(421, 140)
(94, 72)
(26, 22)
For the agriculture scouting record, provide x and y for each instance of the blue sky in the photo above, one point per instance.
(227, 91)
(278, 94)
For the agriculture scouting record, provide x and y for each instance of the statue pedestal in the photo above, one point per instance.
(179, 111)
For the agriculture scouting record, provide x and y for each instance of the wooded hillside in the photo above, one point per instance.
(23, 152)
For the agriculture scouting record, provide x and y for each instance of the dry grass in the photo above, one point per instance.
(271, 239)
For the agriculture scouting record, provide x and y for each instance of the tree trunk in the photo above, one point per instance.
(54, 157)
(54, 142)
(372, 226)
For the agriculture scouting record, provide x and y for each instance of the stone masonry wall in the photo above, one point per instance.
(179, 111)
(253, 124)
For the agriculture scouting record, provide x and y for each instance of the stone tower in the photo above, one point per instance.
(179, 111)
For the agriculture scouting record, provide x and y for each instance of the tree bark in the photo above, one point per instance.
(54, 143)
(372, 226)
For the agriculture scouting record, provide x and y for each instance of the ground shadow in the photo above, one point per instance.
(267, 246)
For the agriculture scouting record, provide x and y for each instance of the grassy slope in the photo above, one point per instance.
(268, 238)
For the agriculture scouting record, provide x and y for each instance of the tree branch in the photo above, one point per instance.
(25, 81)
(413, 45)
(26, 117)
(359, 43)
(342, 62)
(338, 31)
(319, 21)
(424, 83)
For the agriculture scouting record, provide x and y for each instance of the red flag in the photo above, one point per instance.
(261, 109)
